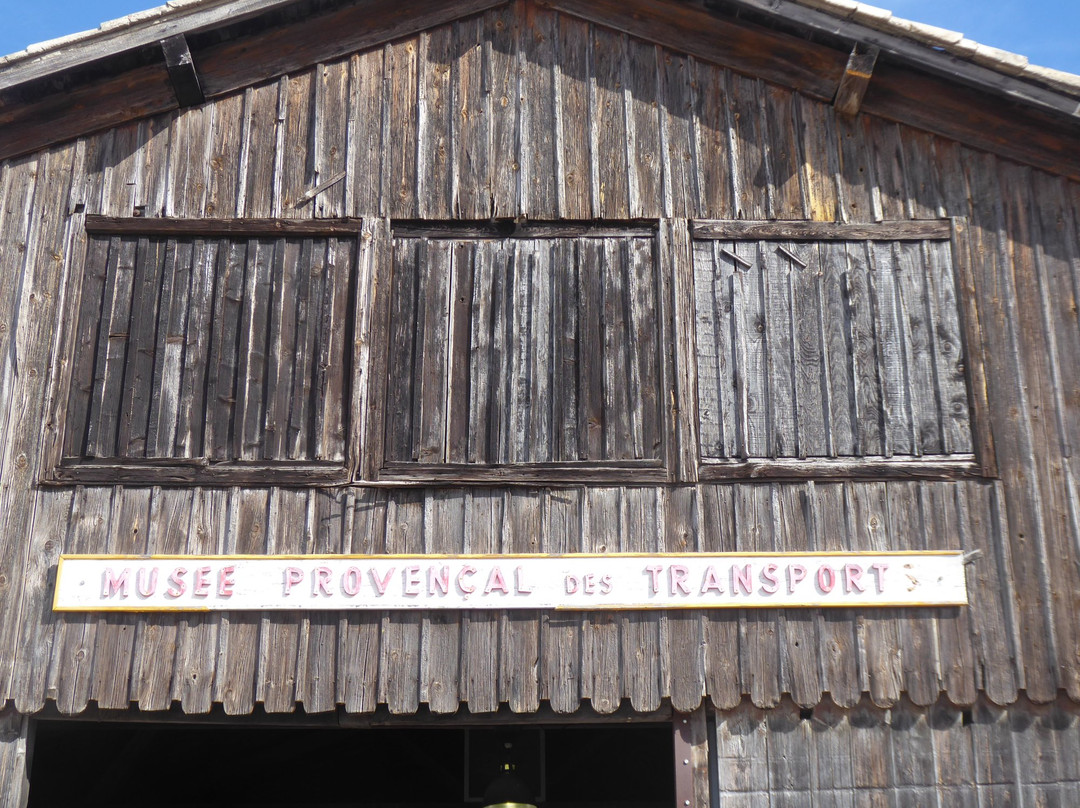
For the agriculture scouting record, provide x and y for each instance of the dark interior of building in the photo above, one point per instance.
(91, 763)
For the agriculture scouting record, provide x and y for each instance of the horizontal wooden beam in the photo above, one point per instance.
(74, 472)
(944, 467)
(506, 228)
(247, 228)
(915, 230)
(757, 51)
(631, 472)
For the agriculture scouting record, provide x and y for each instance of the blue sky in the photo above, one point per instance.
(1046, 31)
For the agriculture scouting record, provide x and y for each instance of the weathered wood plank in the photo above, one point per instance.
(115, 637)
(820, 160)
(367, 124)
(868, 515)
(721, 628)
(357, 674)
(436, 121)
(156, 640)
(399, 647)
(560, 633)
(480, 653)
(750, 172)
(642, 634)
(607, 110)
(684, 632)
(644, 143)
(196, 660)
(317, 664)
(330, 138)
(519, 634)
(601, 681)
(504, 93)
(759, 639)
(440, 641)
(801, 668)
(572, 89)
(536, 74)
(470, 145)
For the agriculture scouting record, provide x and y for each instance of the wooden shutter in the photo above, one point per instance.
(532, 355)
(210, 351)
(841, 347)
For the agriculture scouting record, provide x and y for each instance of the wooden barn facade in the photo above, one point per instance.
(473, 279)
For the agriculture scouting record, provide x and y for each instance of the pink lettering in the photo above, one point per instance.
(770, 581)
(115, 584)
(879, 575)
(145, 584)
(462, 576)
(711, 581)
(293, 576)
(411, 578)
(741, 579)
(381, 583)
(320, 585)
(572, 584)
(226, 582)
(496, 581)
(350, 581)
(677, 575)
(605, 585)
(795, 574)
(201, 586)
(852, 576)
(519, 584)
(177, 587)
(588, 584)
(654, 578)
(826, 579)
(438, 580)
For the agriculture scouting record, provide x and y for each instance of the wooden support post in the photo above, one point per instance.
(691, 759)
(182, 72)
(14, 771)
(856, 78)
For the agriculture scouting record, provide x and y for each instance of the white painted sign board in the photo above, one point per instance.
(580, 581)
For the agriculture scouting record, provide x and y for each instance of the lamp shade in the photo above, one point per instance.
(508, 791)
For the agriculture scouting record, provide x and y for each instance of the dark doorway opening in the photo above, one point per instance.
(120, 764)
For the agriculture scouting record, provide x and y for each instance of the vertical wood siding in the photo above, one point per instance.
(829, 350)
(525, 112)
(218, 349)
(523, 351)
(906, 756)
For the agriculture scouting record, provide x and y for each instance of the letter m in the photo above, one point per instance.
(114, 584)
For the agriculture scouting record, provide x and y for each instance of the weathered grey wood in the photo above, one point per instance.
(198, 643)
(1014, 439)
(857, 74)
(39, 628)
(470, 144)
(868, 516)
(519, 633)
(601, 670)
(918, 631)
(785, 193)
(714, 140)
(676, 265)
(440, 641)
(572, 92)
(248, 517)
(317, 662)
(759, 641)
(357, 674)
(607, 111)
(560, 634)
(399, 646)
(678, 140)
(685, 631)
(156, 639)
(537, 149)
(641, 634)
(817, 137)
(721, 631)
(750, 174)
(799, 640)
(14, 757)
(480, 663)
(809, 368)
(643, 142)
